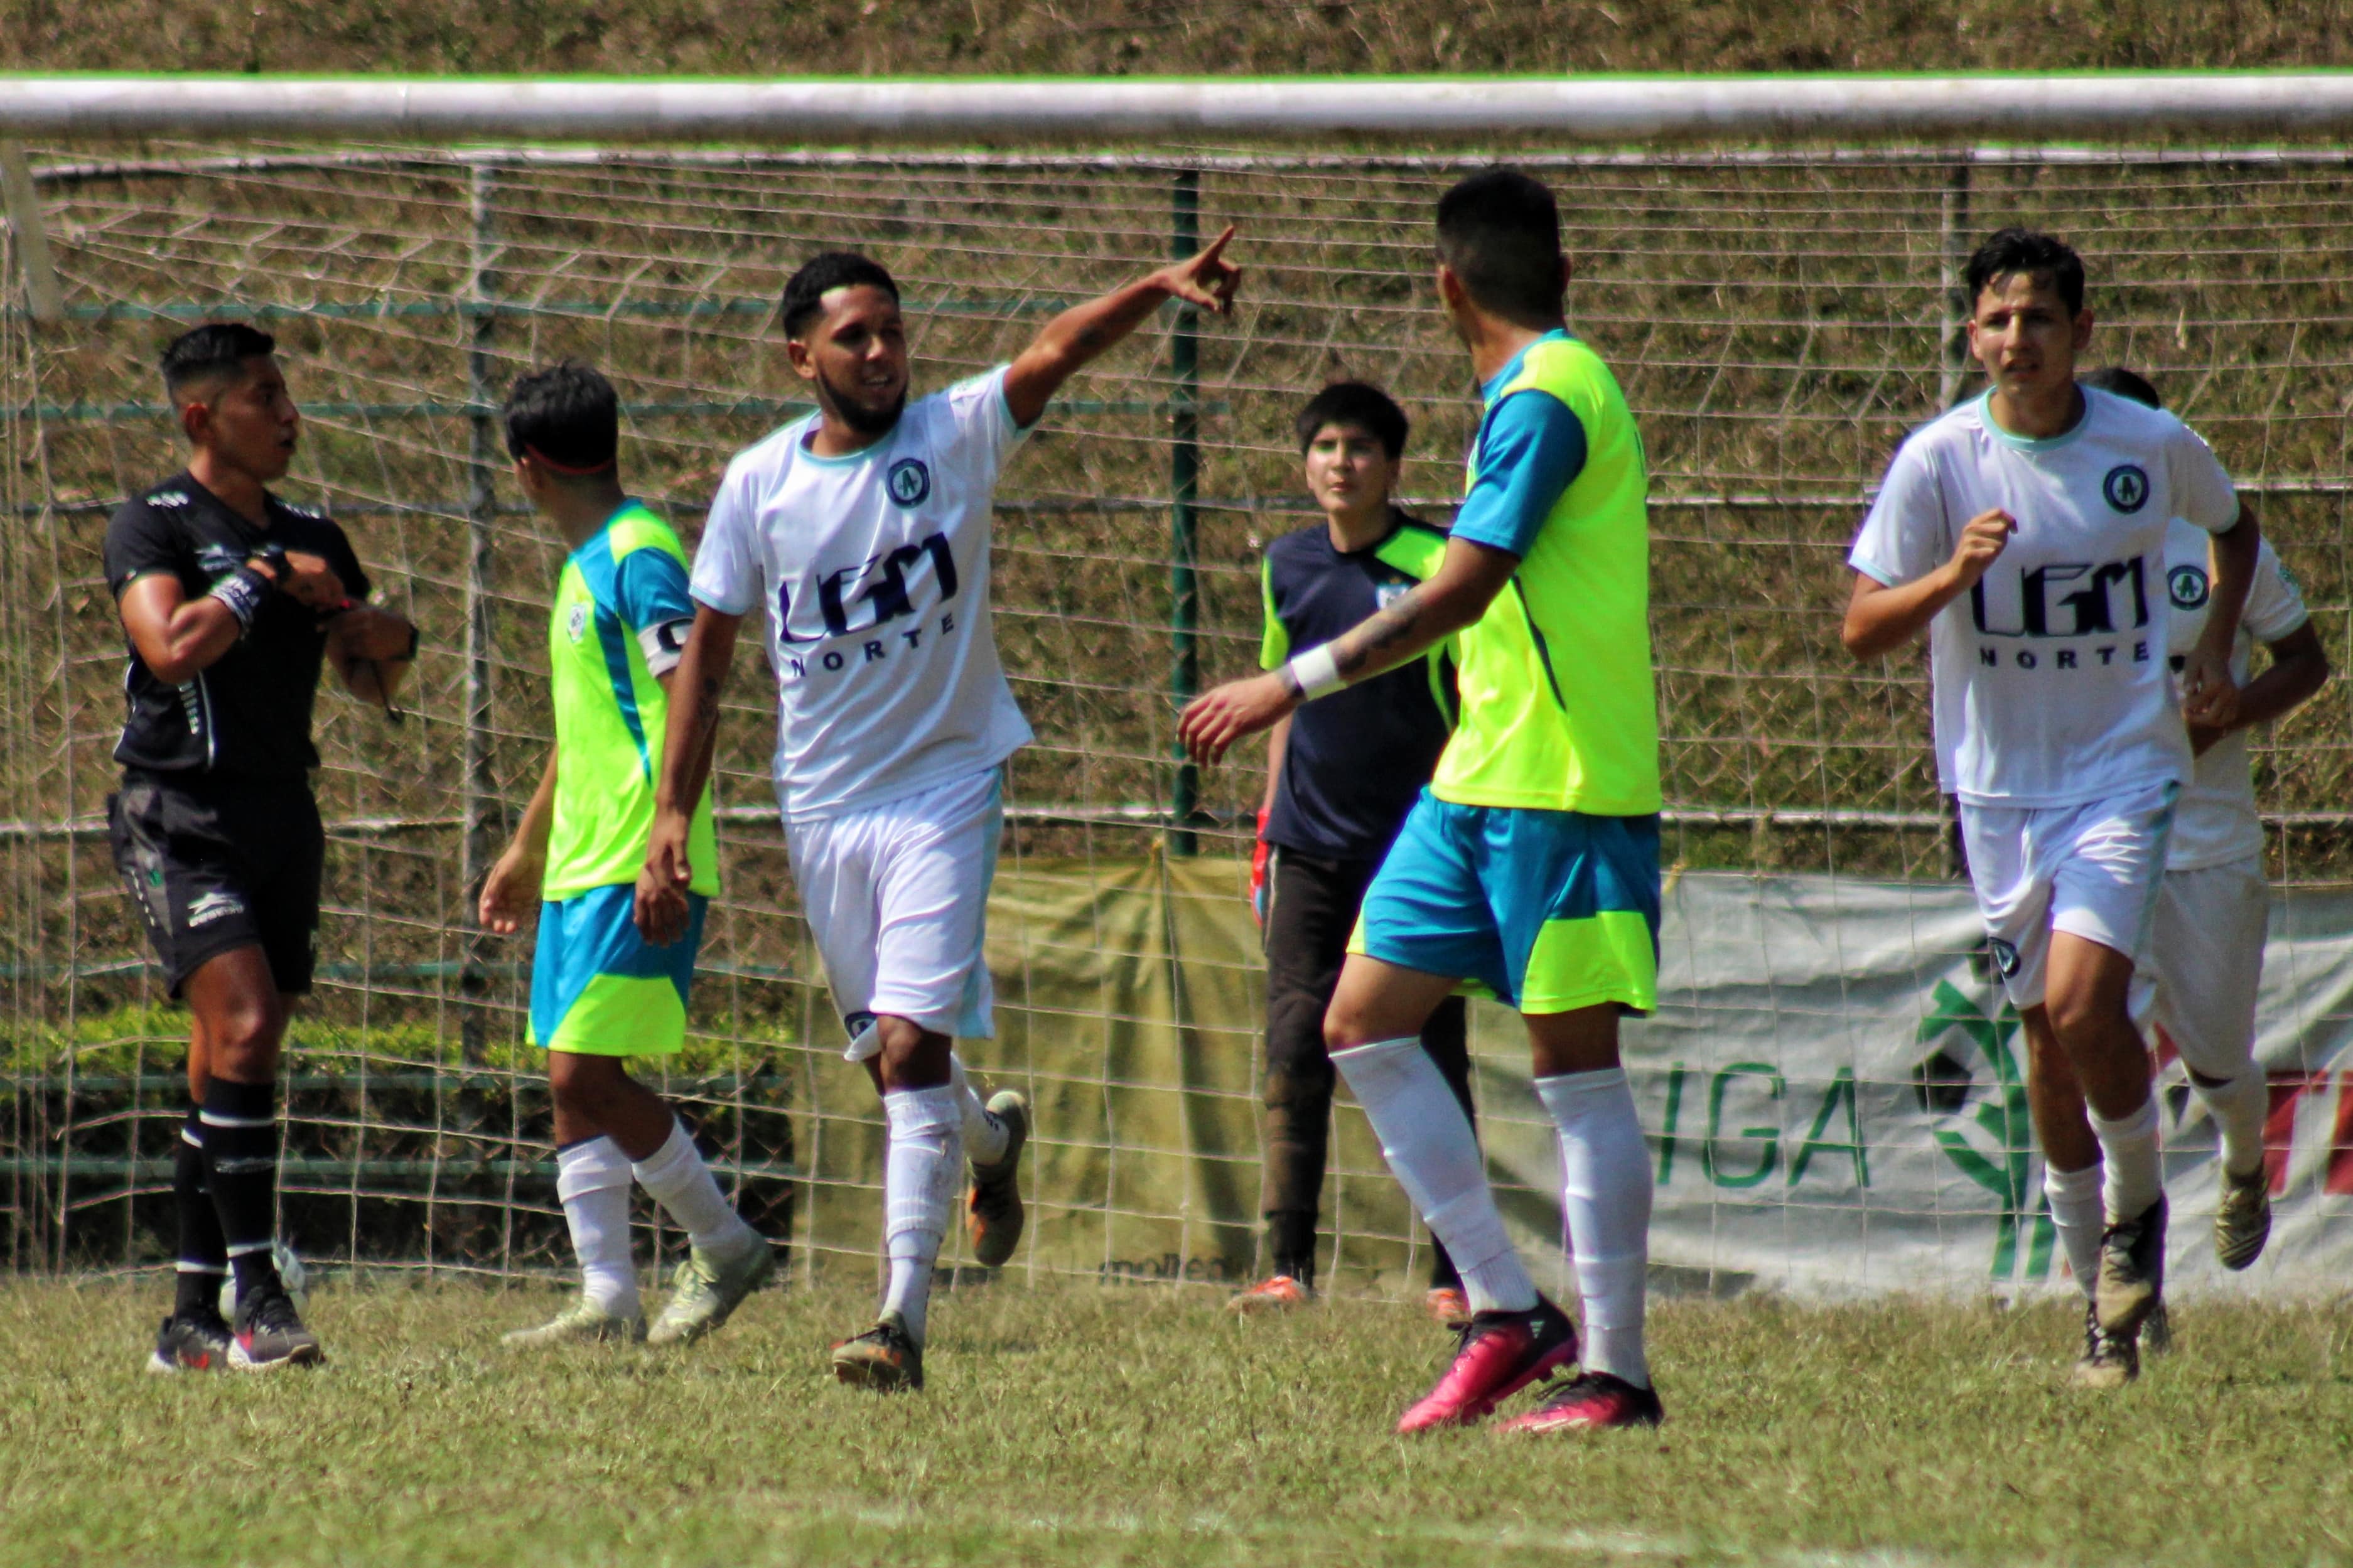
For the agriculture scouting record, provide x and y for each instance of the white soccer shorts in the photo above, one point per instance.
(2093, 871)
(2208, 957)
(897, 898)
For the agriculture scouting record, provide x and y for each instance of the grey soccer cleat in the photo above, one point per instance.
(993, 1212)
(2132, 1271)
(2109, 1361)
(2243, 1217)
(582, 1323)
(708, 1288)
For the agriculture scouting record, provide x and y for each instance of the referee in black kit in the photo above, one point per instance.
(231, 599)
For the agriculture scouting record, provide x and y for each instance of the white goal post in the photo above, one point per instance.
(1598, 108)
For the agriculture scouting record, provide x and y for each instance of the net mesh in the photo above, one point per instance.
(1777, 321)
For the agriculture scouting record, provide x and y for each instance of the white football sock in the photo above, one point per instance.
(1604, 1196)
(984, 1135)
(682, 1184)
(592, 1179)
(1431, 1149)
(2128, 1153)
(919, 1177)
(2239, 1108)
(2078, 1213)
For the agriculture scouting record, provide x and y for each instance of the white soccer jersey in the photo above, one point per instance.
(2050, 677)
(873, 570)
(2215, 823)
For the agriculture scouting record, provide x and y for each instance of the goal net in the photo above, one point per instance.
(1832, 1088)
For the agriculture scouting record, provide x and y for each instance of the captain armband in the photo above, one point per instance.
(243, 591)
(664, 644)
(1316, 673)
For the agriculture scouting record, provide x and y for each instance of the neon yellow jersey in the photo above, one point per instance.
(619, 621)
(1559, 706)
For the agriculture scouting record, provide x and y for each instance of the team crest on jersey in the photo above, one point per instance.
(168, 498)
(577, 623)
(2127, 487)
(909, 481)
(218, 560)
(1388, 593)
(2186, 585)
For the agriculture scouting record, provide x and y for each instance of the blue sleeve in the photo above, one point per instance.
(649, 590)
(1531, 448)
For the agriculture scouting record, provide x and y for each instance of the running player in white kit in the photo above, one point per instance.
(2212, 917)
(863, 531)
(2025, 532)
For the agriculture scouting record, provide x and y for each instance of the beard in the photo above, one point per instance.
(845, 406)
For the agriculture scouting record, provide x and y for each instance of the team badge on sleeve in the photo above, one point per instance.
(2186, 585)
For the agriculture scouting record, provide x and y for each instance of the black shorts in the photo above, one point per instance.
(218, 863)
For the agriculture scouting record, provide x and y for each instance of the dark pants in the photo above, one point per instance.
(1308, 920)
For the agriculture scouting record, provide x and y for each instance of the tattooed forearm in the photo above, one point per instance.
(1389, 636)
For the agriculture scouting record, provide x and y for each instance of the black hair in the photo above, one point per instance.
(567, 417)
(216, 349)
(2015, 250)
(1499, 231)
(2124, 383)
(1356, 403)
(806, 291)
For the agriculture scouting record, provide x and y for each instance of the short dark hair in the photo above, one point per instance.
(1499, 231)
(2124, 383)
(1356, 403)
(213, 350)
(567, 417)
(806, 291)
(2016, 250)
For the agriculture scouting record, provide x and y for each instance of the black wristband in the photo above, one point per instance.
(244, 591)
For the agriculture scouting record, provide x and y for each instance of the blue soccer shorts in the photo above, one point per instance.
(597, 988)
(1546, 911)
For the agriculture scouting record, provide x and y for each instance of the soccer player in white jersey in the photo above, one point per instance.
(2025, 532)
(2212, 917)
(863, 531)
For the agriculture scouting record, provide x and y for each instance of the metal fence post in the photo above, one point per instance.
(1953, 249)
(484, 818)
(1184, 479)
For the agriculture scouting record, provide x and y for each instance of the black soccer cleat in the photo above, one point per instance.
(269, 1333)
(190, 1341)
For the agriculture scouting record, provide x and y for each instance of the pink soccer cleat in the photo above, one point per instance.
(1499, 1353)
(1597, 1400)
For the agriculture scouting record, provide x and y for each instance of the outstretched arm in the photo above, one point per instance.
(1084, 332)
(689, 743)
(1456, 594)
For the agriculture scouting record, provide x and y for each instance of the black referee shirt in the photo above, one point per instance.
(1356, 759)
(248, 715)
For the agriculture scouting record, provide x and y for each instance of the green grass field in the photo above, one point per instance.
(1081, 1425)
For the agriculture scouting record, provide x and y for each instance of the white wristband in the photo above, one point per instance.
(1317, 672)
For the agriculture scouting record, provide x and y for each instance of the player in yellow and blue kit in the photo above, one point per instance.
(600, 995)
(1529, 868)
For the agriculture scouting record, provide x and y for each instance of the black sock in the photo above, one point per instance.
(203, 1256)
(1443, 1275)
(241, 1169)
(1291, 1238)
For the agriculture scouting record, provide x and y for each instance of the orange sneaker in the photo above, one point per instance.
(1446, 1306)
(1281, 1293)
